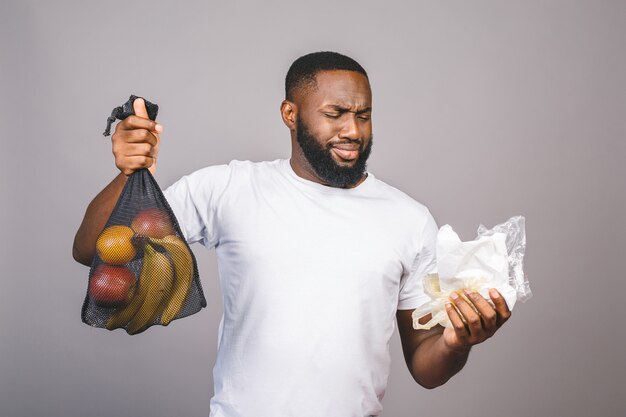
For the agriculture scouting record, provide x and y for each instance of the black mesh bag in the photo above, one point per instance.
(144, 273)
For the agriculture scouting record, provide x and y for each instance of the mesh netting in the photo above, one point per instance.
(144, 273)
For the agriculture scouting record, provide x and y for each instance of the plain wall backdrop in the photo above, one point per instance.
(482, 110)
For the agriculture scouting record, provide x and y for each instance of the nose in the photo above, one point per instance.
(350, 128)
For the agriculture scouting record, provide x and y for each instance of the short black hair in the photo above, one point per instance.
(304, 69)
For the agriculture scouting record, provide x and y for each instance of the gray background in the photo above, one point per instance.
(482, 110)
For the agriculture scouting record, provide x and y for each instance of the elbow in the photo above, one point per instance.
(79, 257)
(432, 382)
(430, 385)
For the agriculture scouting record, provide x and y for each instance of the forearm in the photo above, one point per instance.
(432, 363)
(96, 216)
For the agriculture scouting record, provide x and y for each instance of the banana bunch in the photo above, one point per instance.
(163, 286)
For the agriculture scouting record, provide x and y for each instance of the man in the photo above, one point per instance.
(316, 256)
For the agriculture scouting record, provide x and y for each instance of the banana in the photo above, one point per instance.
(160, 277)
(121, 317)
(150, 268)
(183, 270)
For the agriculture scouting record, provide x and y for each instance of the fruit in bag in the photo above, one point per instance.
(112, 286)
(144, 273)
(114, 245)
(153, 223)
(181, 257)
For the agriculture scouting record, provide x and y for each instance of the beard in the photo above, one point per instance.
(322, 162)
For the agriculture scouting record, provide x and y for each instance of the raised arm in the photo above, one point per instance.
(135, 146)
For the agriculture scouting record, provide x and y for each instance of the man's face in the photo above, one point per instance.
(334, 127)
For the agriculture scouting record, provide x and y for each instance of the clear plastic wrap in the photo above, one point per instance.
(476, 265)
(515, 232)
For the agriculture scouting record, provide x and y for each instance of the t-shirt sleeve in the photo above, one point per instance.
(194, 199)
(412, 293)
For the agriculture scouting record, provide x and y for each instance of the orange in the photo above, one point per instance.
(115, 246)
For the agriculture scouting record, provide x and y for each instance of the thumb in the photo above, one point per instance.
(139, 105)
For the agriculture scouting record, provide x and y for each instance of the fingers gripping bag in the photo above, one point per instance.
(144, 272)
(493, 260)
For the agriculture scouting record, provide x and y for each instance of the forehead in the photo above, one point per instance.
(338, 87)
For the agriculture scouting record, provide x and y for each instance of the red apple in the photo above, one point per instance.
(112, 286)
(153, 222)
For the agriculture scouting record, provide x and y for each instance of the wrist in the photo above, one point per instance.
(455, 349)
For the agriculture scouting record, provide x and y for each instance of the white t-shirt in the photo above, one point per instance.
(311, 278)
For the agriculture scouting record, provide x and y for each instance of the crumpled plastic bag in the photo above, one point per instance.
(493, 260)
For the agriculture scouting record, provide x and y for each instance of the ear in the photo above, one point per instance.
(289, 113)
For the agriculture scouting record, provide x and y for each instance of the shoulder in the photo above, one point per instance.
(226, 171)
(219, 178)
(401, 201)
(252, 167)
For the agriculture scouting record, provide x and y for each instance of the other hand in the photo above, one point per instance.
(476, 322)
(136, 141)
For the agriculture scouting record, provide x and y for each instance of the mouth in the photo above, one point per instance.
(346, 151)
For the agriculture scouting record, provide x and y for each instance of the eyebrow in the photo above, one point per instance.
(344, 109)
